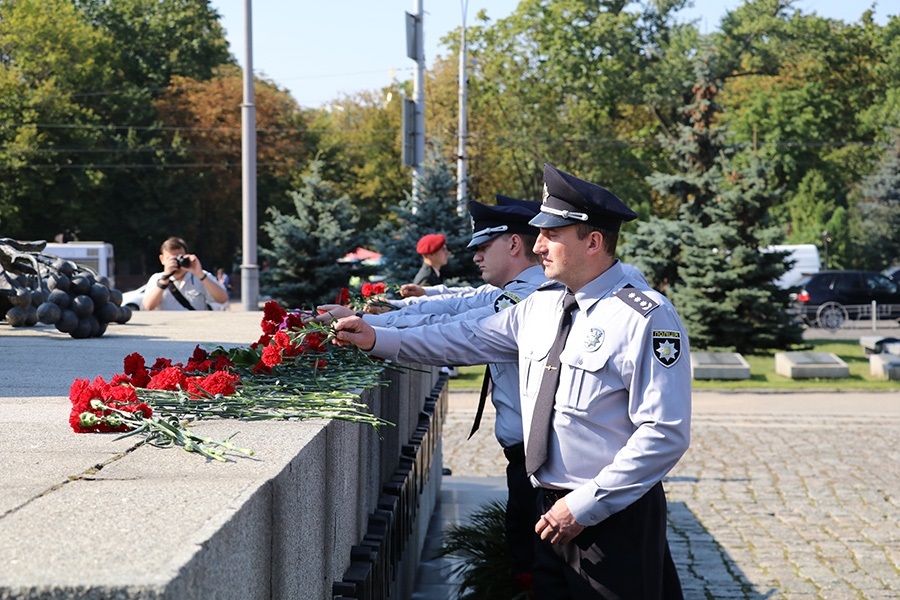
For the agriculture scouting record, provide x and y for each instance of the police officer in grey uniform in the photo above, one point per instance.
(619, 416)
(503, 242)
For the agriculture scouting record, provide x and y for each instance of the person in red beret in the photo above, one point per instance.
(433, 248)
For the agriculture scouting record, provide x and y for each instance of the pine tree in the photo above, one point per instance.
(303, 259)
(817, 213)
(721, 284)
(877, 222)
(435, 212)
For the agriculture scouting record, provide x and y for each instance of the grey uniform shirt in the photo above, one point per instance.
(505, 376)
(623, 407)
(442, 292)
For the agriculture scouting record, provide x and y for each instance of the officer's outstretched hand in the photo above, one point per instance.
(353, 331)
(411, 289)
(557, 525)
(329, 313)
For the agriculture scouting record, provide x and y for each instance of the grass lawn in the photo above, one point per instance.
(762, 373)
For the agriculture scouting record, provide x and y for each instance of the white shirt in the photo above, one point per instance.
(193, 290)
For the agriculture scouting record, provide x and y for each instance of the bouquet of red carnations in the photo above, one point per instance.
(290, 372)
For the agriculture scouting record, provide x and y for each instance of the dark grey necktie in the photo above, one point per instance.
(536, 453)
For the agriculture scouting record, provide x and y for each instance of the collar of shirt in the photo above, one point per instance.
(608, 283)
(532, 275)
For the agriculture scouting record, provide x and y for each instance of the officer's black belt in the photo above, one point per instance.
(515, 453)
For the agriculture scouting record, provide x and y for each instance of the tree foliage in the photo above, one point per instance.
(204, 121)
(717, 277)
(879, 211)
(307, 242)
(119, 118)
(434, 211)
(358, 140)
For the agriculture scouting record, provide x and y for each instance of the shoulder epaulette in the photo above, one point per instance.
(550, 285)
(636, 299)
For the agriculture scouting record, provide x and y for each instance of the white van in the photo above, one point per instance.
(806, 262)
(97, 256)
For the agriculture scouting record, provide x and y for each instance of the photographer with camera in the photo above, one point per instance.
(183, 284)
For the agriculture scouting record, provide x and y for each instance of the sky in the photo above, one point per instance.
(321, 51)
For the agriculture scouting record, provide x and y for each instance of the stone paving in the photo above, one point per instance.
(780, 496)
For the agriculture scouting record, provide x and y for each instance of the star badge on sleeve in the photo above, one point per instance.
(505, 300)
(666, 347)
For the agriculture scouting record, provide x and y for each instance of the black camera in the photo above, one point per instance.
(183, 261)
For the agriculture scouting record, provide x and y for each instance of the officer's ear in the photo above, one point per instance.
(594, 243)
(515, 243)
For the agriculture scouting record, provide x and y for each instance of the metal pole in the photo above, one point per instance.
(419, 99)
(461, 152)
(249, 268)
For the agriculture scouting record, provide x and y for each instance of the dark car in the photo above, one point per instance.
(893, 274)
(828, 298)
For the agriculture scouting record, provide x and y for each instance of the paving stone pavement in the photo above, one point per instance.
(780, 496)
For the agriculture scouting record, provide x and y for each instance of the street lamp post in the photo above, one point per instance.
(249, 268)
(461, 152)
(826, 239)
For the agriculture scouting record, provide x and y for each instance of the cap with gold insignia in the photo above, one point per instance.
(511, 215)
(568, 200)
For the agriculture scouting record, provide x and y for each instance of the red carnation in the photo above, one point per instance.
(222, 363)
(160, 364)
(134, 362)
(271, 355)
(273, 317)
(314, 342)
(199, 361)
(294, 320)
(219, 382)
(170, 378)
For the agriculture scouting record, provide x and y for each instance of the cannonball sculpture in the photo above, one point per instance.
(42, 288)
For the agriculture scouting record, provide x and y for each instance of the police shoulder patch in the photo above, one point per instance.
(505, 300)
(666, 347)
(636, 299)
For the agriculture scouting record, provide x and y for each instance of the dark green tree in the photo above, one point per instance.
(721, 283)
(656, 249)
(877, 222)
(306, 245)
(157, 39)
(434, 212)
(82, 144)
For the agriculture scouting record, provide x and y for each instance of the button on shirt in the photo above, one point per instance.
(623, 407)
(505, 376)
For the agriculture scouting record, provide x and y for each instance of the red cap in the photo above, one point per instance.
(431, 243)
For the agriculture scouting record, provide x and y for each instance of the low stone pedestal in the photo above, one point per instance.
(810, 365)
(885, 366)
(876, 344)
(719, 365)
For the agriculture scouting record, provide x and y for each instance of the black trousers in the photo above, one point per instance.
(521, 513)
(625, 557)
